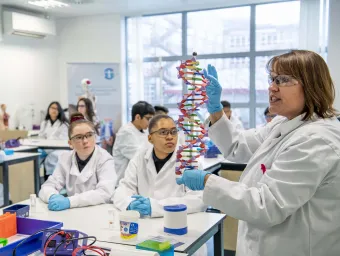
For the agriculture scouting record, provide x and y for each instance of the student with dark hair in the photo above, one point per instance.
(151, 175)
(85, 107)
(131, 136)
(54, 127)
(233, 119)
(267, 115)
(161, 110)
(87, 172)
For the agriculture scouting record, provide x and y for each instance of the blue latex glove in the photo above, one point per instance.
(141, 204)
(58, 203)
(193, 179)
(214, 90)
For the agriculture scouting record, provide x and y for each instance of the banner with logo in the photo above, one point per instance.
(105, 85)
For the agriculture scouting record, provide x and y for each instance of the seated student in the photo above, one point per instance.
(161, 110)
(132, 136)
(54, 127)
(85, 107)
(87, 172)
(150, 180)
(228, 112)
(268, 116)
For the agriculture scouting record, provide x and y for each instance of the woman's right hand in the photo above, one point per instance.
(214, 90)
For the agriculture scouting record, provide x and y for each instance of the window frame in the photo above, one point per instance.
(252, 105)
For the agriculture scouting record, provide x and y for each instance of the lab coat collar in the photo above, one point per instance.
(290, 125)
(151, 164)
(88, 170)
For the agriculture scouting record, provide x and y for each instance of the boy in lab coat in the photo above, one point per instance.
(131, 136)
(150, 180)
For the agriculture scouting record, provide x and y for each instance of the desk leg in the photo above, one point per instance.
(36, 175)
(5, 181)
(218, 241)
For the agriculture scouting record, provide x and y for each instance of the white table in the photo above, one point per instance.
(95, 221)
(25, 149)
(17, 158)
(46, 144)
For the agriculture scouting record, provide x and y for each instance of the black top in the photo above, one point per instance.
(52, 122)
(159, 163)
(83, 163)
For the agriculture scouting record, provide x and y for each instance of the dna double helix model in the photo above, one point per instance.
(188, 120)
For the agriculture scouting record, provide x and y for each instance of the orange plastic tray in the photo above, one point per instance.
(8, 225)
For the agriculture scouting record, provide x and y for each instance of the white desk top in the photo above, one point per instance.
(205, 163)
(95, 221)
(17, 156)
(24, 148)
(45, 143)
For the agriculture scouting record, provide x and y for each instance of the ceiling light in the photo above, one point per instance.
(48, 3)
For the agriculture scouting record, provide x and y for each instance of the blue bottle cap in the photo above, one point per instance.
(175, 208)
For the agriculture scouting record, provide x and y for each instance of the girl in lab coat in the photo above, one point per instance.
(150, 180)
(85, 107)
(288, 197)
(87, 172)
(54, 127)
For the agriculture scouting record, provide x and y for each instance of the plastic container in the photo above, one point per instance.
(129, 225)
(175, 219)
(27, 226)
(8, 152)
(162, 248)
(8, 225)
(21, 210)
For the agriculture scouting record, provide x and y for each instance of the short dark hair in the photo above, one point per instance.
(225, 104)
(61, 114)
(154, 121)
(142, 108)
(266, 111)
(161, 109)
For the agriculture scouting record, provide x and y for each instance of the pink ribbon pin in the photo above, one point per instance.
(263, 168)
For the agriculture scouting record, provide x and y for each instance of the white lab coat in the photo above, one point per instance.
(128, 140)
(94, 185)
(57, 131)
(293, 208)
(141, 178)
(233, 119)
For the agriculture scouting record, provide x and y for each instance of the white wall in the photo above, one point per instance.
(334, 47)
(87, 39)
(28, 73)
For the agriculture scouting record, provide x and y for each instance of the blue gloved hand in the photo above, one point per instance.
(214, 90)
(141, 204)
(193, 179)
(58, 203)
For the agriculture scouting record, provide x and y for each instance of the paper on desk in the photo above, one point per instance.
(172, 241)
(15, 238)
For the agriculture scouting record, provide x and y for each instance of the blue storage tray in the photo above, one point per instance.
(21, 210)
(27, 226)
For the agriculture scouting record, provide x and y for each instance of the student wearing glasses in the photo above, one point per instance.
(87, 172)
(132, 136)
(150, 180)
(288, 198)
(268, 116)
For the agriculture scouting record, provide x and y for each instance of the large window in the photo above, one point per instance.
(239, 41)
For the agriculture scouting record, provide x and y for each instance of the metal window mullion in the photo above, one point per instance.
(252, 67)
(184, 43)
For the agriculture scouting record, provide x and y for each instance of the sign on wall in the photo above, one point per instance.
(105, 85)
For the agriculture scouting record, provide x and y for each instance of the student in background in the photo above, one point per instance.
(268, 116)
(54, 127)
(87, 172)
(85, 107)
(4, 116)
(151, 175)
(161, 110)
(228, 112)
(132, 136)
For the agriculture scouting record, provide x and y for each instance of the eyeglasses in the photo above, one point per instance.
(165, 132)
(281, 80)
(80, 137)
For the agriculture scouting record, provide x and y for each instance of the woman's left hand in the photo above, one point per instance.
(193, 179)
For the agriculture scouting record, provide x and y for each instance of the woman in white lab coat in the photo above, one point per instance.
(150, 180)
(54, 127)
(87, 172)
(288, 197)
